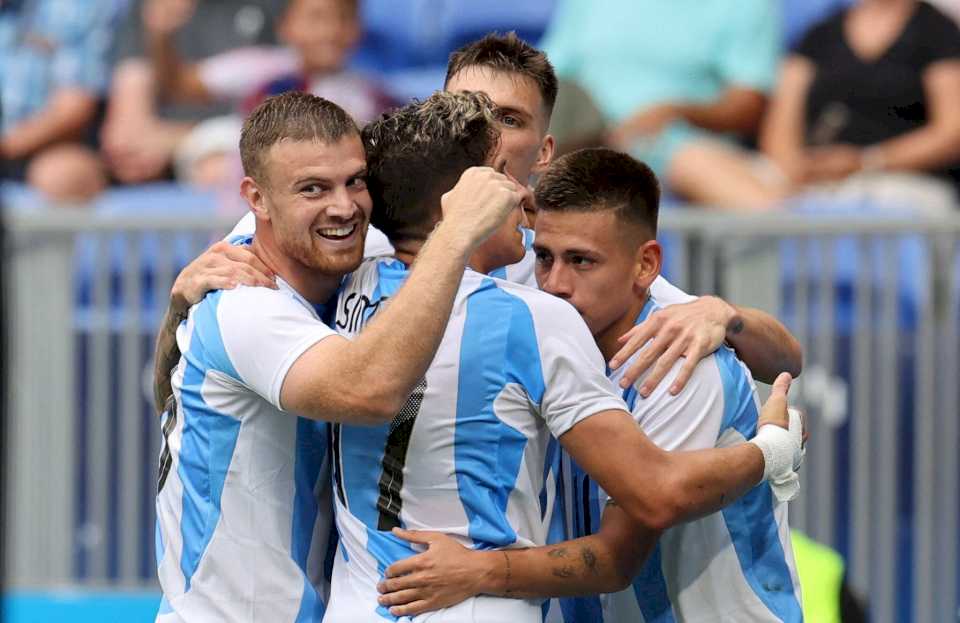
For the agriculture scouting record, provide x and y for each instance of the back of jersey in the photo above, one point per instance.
(471, 452)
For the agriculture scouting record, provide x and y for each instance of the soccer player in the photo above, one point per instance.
(521, 82)
(241, 523)
(596, 248)
(470, 454)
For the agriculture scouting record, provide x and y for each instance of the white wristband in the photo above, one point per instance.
(782, 448)
(782, 454)
(778, 449)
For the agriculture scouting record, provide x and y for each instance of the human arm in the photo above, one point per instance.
(737, 110)
(681, 486)
(221, 267)
(606, 561)
(934, 145)
(783, 129)
(447, 572)
(366, 380)
(66, 115)
(698, 328)
(176, 78)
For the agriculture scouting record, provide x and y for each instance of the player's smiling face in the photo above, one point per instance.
(318, 203)
(585, 259)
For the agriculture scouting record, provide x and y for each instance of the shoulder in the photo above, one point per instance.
(665, 293)
(827, 30)
(936, 27)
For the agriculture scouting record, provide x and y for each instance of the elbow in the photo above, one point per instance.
(656, 512)
(372, 410)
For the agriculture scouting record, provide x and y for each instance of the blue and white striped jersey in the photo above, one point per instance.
(473, 452)
(243, 508)
(729, 567)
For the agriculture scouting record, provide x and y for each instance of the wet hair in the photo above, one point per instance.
(509, 54)
(294, 115)
(591, 180)
(418, 152)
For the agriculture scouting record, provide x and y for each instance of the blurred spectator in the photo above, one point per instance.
(54, 59)
(319, 36)
(143, 127)
(676, 82)
(873, 88)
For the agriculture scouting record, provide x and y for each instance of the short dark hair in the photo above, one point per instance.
(418, 152)
(507, 53)
(589, 180)
(294, 115)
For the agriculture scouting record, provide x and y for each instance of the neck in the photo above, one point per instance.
(317, 288)
(480, 263)
(406, 250)
(607, 340)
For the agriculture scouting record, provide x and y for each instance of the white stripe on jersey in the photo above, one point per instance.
(242, 526)
(470, 454)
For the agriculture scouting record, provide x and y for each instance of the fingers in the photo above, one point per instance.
(683, 376)
(411, 609)
(774, 410)
(400, 583)
(424, 537)
(403, 568)
(664, 364)
(781, 385)
(657, 346)
(400, 598)
(634, 339)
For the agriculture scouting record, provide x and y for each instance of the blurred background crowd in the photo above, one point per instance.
(737, 104)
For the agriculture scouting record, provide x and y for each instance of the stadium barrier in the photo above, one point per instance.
(874, 300)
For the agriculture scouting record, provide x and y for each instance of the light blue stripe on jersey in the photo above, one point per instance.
(499, 347)
(750, 520)
(650, 588)
(208, 438)
(311, 448)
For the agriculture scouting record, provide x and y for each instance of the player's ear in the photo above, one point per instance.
(250, 190)
(647, 266)
(545, 155)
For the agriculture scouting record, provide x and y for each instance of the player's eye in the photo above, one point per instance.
(511, 121)
(359, 182)
(582, 261)
(313, 189)
(543, 258)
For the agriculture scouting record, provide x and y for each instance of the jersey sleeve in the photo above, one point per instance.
(264, 332)
(575, 383)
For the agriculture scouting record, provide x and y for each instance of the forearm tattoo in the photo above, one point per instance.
(166, 357)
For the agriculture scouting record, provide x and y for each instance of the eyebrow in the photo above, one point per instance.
(510, 110)
(325, 180)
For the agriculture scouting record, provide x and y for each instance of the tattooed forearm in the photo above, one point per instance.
(589, 561)
(166, 356)
(566, 571)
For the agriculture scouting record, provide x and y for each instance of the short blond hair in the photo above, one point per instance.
(294, 115)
